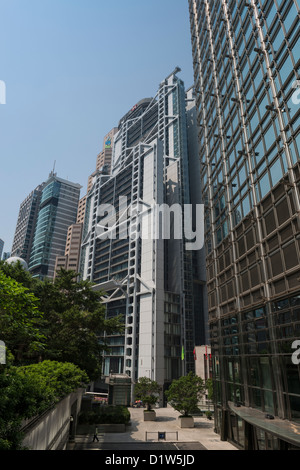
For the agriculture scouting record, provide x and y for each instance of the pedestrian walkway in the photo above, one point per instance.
(162, 433)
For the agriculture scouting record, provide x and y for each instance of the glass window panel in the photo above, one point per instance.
(295, 406)
(290, 17)
(264, 185)
(268, 402)
(286, 69)
(295, 49)
(276, 171)
(278, 40)
(266, 372)
(269, 137)
(271, 15)
(292, 376)
(246, 205)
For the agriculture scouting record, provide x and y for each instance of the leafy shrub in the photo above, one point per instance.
(56, 379)
(30, 390)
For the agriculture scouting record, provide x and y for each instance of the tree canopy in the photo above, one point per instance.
(147, 390)
(184, 394)
(20, 318)
(53, 332)
(27, 391)
(62, 320)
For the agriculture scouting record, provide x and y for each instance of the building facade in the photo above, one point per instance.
(1, 247)
(70, 259)
(147, 278)
(246, 58)
(57, 211)
(104, 157)
(26, 222)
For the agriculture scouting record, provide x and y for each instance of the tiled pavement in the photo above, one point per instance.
(144, 435)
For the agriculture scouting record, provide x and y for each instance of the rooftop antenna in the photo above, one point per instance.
(52, 172)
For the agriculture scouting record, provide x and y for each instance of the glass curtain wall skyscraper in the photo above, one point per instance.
(246, 57)
(56, 212)
(26, 222)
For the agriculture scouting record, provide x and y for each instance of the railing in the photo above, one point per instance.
(161, 435)
(206, 405)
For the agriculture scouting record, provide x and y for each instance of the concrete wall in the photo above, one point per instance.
(151, 321)
(56, 427)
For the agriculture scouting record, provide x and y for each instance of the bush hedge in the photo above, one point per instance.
(105, 415)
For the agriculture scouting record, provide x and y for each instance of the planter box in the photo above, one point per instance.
(186, 421)
(149, 415)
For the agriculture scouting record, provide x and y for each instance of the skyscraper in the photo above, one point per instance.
(70, 260)
(148, 278)
(57, 211)
(1, 247)
(26, 224)
(71, 257)
(246, 58)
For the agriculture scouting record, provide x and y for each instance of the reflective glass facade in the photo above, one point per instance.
(26, 222)
(246, 66)
(57, 211)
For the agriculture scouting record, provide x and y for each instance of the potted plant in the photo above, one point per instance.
(184, 395)
(147, 391)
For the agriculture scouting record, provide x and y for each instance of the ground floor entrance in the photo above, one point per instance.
(251, 429)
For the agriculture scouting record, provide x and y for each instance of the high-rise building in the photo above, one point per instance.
(71, 257)
(57, 211)
(246, 59)
(1, 247)
(104, 157)
(26, 224)
(153, 280)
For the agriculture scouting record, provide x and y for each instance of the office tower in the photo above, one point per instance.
(1, 247)
(104, 157)
(246, 61)
(148, 278)
(25, 227)
(70, 260)
(71, 257)
(57, 211)
(81, 210)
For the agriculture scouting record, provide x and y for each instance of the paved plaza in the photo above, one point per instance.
(162, 434)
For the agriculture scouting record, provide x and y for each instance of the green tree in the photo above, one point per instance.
(20, 319)
(75, 322)
(30, 390)
(185, 393)
(147, 390)
(17, 272)
(71, 326)
(210, 389)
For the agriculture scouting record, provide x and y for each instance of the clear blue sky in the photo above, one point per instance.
(72, 69)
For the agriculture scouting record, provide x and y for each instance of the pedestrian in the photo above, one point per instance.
(95, 438)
